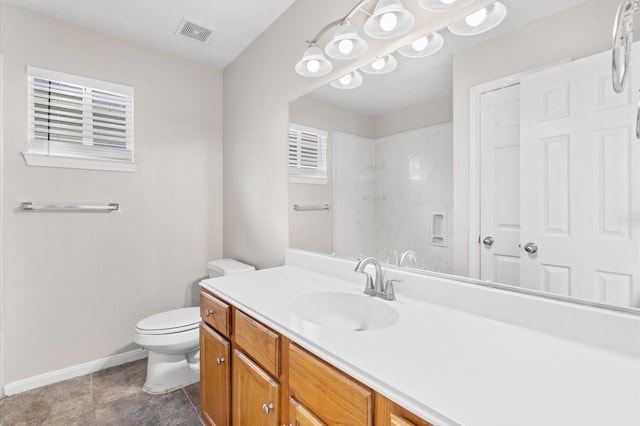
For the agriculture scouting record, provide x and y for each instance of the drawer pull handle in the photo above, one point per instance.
(267, 408)
(208, 312)
(219, 361)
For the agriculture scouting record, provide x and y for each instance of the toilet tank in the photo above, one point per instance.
(223, 267)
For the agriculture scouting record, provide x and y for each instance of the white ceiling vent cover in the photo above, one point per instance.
(194, 31)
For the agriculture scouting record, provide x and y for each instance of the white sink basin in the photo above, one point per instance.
(344, 311)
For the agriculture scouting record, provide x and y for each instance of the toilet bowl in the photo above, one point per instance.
(172, 339)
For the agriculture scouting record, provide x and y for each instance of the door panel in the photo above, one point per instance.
(580, 183)
(500, 185)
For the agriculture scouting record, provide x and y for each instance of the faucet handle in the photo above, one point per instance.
(389, 293)
(369, 288)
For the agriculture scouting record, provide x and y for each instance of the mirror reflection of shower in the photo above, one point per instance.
(393, 194)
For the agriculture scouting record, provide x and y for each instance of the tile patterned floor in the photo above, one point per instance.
(109, 397)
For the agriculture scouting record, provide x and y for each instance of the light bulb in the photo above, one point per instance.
(420, 44)
(388, 21)
(345, 46)
(346, 79)
(378, 64)
(477, 17)
(313, 65)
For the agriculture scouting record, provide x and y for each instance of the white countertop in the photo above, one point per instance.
(452, 367)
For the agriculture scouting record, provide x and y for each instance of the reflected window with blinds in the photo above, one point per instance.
(79, 122)
(307, 155)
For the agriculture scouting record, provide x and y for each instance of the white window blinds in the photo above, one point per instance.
(75, 116)
(307, 154)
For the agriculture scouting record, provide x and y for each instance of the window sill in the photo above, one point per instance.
(308, 180)
(42, 160)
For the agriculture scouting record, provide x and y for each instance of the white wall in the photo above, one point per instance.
(425, 114)
(574, 33)
(76, 284)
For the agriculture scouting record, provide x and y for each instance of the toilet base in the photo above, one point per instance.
(166, 373)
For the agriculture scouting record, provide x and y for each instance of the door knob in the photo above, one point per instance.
(531, 248)
(208, 312)
(219, 361)
(267, 408)
(488, 241)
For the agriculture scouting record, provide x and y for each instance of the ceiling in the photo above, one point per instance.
(417, 80)
(154, 22)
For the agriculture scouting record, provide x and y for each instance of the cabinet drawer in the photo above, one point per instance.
(260, 343)
(391, 414)
(331, 395)
(215, 312)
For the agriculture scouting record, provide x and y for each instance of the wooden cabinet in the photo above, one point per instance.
(215, 377)
(331, 395)
(256, 340)
(251, 375)
(255, 395)
(299, 415)
(215, 313)
(391, 414)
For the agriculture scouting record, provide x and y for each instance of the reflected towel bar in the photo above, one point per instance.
(65, 207)
(300, 208)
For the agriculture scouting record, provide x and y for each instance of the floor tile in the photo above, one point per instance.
(120, 381)
(69, 400)
(142, 409)
(193, 393)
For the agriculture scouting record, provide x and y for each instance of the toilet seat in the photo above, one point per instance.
(175, 321)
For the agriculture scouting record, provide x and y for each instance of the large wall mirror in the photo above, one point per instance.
(504, 157)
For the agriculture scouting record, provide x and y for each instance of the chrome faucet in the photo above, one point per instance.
(409, 254)
(376, 288)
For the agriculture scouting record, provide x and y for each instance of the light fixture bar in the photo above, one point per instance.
(338, 21)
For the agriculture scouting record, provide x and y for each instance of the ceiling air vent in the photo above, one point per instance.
(194, 31)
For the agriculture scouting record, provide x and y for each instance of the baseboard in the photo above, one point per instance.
(73, 371)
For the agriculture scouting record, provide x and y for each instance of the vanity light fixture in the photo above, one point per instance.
(348, 81)
(313, 63)
(480, 21)
(346, 44)
(423, 47)
(389, 19)
(381, 65)
(443, 5)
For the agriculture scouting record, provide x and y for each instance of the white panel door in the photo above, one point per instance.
(580, 186)
(500, 185)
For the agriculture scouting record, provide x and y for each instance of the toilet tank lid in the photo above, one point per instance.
(175, 320)
(229, 266)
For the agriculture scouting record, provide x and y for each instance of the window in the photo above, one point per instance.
(307, 155)
(79, 122)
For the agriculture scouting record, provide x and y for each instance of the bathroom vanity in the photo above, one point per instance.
(302, 345)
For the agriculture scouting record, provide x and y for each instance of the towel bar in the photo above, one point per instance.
(29, 206)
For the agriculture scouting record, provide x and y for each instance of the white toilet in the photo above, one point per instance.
(172, 339)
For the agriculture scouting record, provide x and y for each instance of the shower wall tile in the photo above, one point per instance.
(353, 191)
(414, 180)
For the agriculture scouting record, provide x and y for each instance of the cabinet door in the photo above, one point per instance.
(215, 399)
(299, 415)
(256, 395)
